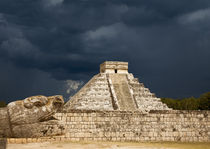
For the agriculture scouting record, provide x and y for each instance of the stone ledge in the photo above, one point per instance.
(139, 112)
(111, 139)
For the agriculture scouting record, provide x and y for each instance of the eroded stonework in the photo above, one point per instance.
(115, 89)
(31, 117)
(94, 95)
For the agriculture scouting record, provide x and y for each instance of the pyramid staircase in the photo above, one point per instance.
(115, 89)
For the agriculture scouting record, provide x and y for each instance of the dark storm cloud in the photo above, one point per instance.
(60, 40)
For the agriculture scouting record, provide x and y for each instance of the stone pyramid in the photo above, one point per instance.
(115, 89)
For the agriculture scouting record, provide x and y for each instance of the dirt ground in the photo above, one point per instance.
(108, 145)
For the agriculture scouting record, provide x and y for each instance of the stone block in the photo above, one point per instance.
(19, 141)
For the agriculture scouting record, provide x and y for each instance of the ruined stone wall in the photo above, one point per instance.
(185, 126)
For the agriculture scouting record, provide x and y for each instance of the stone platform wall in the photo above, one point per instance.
(185, 126)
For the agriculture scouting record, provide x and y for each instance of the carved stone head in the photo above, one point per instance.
(34, 109)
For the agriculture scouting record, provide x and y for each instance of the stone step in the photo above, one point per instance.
(122, 91)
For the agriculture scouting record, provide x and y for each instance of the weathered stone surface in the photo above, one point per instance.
(115, 89)
(29, 117)
(94, 95)
(43, 129)
(157, 125)
(144, 99)
(33, 109)
(4, 123)
(125, 99)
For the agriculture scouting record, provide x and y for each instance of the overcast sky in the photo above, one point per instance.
(53, 47)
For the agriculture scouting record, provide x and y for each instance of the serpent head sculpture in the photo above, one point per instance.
(31, 117)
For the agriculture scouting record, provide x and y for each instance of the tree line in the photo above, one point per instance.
(191, 103)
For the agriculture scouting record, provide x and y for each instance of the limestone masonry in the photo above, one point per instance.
(112, 106)
(31, 117)
(115, 89)
(157, 125)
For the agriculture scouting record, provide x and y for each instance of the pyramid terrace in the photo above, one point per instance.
(114, 88)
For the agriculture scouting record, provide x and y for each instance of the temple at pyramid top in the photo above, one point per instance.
(114, 88)
(114, 67)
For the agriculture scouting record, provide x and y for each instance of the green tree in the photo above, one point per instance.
(204, 101)
(191, 103)
(171, 103)
(3, 104)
